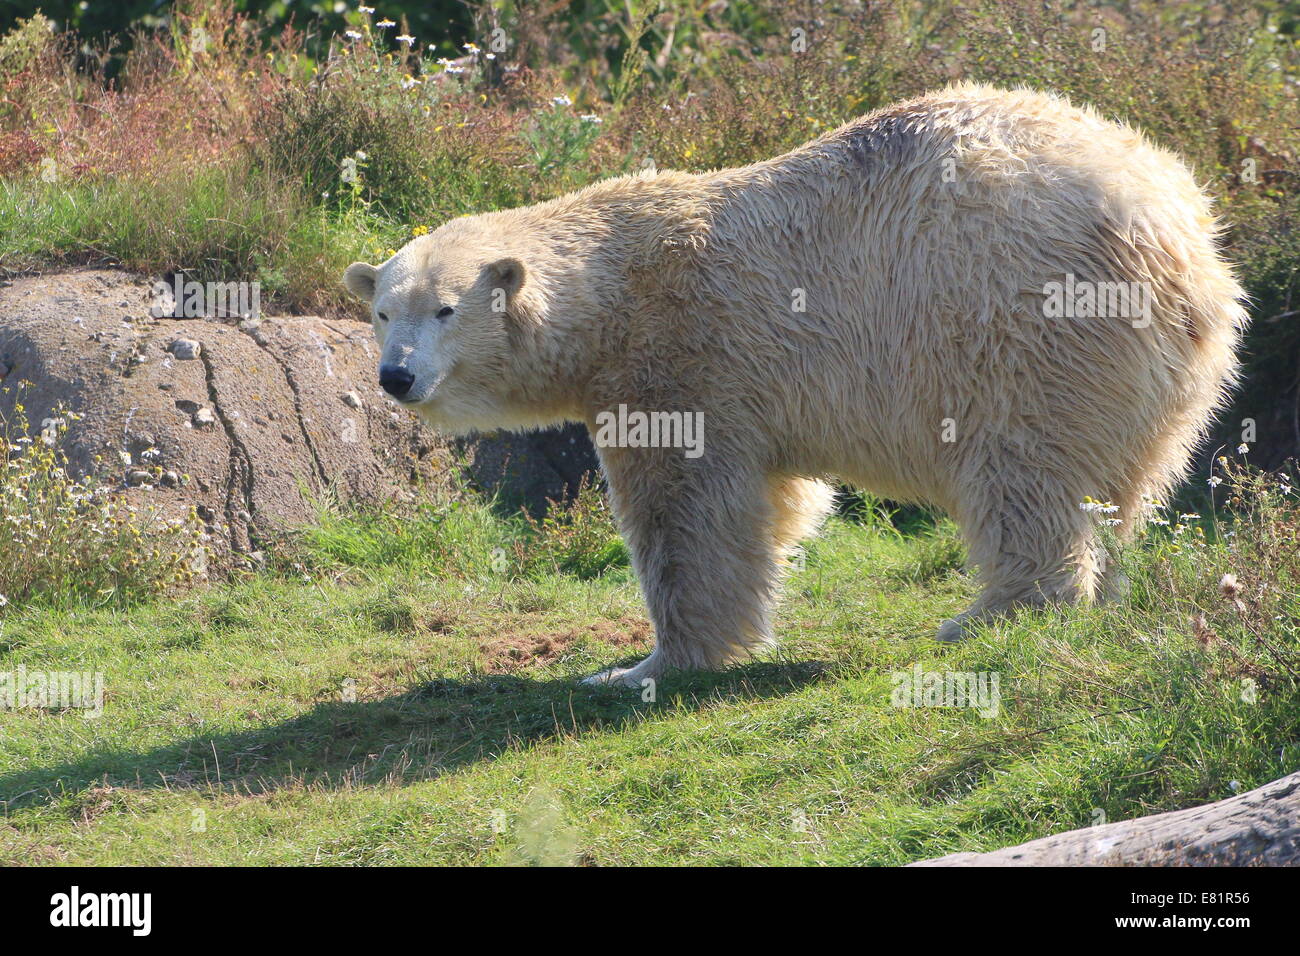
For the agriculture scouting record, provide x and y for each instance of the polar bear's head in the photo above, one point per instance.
(442, 310)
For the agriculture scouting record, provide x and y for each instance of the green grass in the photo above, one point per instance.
(403, 688)
(372, 706)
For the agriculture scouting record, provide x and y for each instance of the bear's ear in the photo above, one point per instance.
(360, 279)
(505, 274)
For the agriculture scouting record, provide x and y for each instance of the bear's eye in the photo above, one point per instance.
(382, 317)
(445, 311)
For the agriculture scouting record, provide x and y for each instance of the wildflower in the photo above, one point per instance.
(1243, 448)
(1188, 516)
(405, 38)
(419, 230)
(3, 600)
(385, 23)
(361, 155)
(1202, 631)
(1214, 481)
(1229, 587)
(366, 10)
(1113, 522)
(590, 118)
(470, 47)
(490, 56)
(561, 100)
(352, 34)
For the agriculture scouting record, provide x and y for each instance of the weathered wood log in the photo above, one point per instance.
(1259, 828)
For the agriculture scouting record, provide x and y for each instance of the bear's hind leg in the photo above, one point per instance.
(1033, 545)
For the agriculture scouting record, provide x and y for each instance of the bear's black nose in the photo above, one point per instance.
(396, 381)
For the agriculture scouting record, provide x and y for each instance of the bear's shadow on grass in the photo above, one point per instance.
(422, 733)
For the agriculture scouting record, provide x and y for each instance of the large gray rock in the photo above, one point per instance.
(262, 415)
(528, 469)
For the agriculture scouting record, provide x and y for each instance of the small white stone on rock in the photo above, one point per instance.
(185, 349)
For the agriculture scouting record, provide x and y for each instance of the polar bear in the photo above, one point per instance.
(988, 301)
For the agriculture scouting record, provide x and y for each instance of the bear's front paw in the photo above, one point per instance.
(614, 677)
(650, 668)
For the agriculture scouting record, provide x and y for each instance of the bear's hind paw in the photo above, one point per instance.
(951, 631)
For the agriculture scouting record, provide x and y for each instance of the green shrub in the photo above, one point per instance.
(67, 540)
(577, 538)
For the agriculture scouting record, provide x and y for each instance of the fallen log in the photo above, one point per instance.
(1258, 828)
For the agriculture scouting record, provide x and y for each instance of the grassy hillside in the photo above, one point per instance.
(403, 689)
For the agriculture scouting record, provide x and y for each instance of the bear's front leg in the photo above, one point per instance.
(700, 534)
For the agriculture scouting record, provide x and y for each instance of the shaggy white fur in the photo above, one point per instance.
(883, 305)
